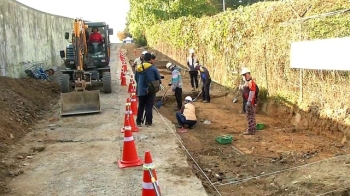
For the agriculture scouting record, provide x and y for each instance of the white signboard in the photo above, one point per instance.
(326, 54)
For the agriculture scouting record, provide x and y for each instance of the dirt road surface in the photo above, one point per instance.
(75, 155)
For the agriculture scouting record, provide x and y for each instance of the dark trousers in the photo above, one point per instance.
(244, 105)
(181, 119)
(145, 103)
(205, 91)
(194, 78)
(178, 97)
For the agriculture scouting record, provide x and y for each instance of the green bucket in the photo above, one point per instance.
(260, 126)
(224, 139)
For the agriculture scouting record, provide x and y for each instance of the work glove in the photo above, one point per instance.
(161, 87)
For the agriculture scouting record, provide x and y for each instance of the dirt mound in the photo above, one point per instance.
(22, 103)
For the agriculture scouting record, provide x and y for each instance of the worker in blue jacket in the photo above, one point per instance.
(145, 73)
(206, 80)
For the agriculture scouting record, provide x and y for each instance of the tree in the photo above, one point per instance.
(121, 35)
(145, 13)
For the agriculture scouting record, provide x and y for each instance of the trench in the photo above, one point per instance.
(284, 143)
(291, 138)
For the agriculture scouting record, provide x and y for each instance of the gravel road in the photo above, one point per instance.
(77, 153)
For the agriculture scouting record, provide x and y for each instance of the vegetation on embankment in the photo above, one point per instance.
(259, 37)
(145, 13)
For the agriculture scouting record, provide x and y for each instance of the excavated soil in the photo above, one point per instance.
(277, 147)
(22, 103)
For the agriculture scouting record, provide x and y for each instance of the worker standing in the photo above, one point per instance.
(187, 115)
(138, 61)
(153, 58)
(206, 80)
(148, 84)
(191, 61)
(249, 93)
(242, 89)
(176, 83)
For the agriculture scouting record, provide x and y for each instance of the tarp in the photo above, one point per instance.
(128, 39)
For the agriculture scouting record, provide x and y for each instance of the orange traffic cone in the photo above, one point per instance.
(130, 158)
(123, 82)
(125, 67)
(126, 118)
(133, 89)
(121, 74)
(130, 84)
(133, 104)
(131, 118)
(147, 186)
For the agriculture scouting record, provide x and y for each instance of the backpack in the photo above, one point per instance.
(153, 86)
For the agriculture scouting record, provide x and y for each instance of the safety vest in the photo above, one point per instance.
(190, 112)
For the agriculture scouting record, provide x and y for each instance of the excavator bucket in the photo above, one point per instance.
(80, 102)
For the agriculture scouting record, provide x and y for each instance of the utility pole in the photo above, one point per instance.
(223, 5)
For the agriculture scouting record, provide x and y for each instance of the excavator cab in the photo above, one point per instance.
(83, 72)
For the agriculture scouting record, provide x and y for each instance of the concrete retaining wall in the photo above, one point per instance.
(26, 35)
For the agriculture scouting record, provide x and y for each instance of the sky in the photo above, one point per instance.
(113, 12)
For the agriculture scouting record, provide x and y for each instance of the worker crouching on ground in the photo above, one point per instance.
(187, 115)
(176, 84)
(206, 80)
(148, 84)
(249, 93)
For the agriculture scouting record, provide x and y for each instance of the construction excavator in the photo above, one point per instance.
(87, 65)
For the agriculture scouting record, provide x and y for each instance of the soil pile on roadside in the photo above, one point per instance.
(22, 102)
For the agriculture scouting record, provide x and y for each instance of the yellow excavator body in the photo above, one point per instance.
(81, 100)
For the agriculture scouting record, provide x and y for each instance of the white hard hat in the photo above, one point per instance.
(188, 98)
(191, 51)
(144, 52)
(245, 70)
(168, 65)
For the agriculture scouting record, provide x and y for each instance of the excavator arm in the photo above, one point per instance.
(82, 78)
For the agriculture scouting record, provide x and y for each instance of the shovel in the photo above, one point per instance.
(235, 99)
(144, 117)
(197, 96)
(160, 103)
